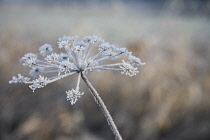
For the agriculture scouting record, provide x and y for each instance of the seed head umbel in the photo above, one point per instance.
(77, 55)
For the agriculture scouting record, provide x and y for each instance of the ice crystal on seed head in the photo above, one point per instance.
(39, 82)
(35, 71)
(63, 44)
(65, 66)
(121, 50)
(19, 79)
(128, 69)
(81, 44)
(45, 49)
(135, 60)
(63, 56)
(65, 41)
(30, 62)
(28, 56)
(92, 39)
(75, 57)
(29, 59)
(53, 58)
(73, 95)
(78, 48)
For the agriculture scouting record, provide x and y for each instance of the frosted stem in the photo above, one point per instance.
(48, 64)
(108, 57)
(90, 50)
(114, 69)
(78, 82)
(101, 104)
(70, 53)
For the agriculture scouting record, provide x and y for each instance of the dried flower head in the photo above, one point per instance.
(88, 54)
(45, 49)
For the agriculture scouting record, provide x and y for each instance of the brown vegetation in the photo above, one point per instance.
(168, 99)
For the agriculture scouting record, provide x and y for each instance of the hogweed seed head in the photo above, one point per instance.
(65, 66)
(45, 49)
(89, 54)
(29, 59)
(73, 95)
(53, 58)
(128, 69)
(64, 56)
(19, 79)
(39, 82)
(35, 71)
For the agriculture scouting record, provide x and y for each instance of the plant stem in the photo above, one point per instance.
(101, 104)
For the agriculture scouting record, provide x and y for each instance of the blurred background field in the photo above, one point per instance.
(168, 100)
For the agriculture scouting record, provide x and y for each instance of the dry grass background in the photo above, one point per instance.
(168, 100)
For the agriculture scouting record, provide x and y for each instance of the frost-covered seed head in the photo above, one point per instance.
(81, 44)
(53, 58)
(45, 49)
(19, 79)
(30, 62)
(78, 48)
(88, 54)
(65, 66)
(63, 44)
(92, 39)
(73, 95)
(28, 56)
(35, 71)
(39, 83)
(63, 57)
(128, 69)
(66, 41)
(121, 50)
(104, 47)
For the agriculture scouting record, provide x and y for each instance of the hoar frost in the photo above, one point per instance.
(87, 54)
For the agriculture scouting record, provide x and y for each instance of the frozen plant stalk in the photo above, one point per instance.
(88, 54)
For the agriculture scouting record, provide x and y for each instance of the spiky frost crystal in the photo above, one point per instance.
(73, 95)
(88, 54)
